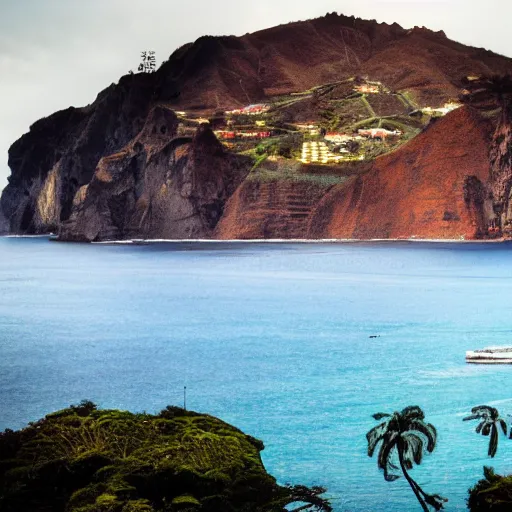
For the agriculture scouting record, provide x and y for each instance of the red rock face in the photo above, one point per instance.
(279, 209)
(423, 190)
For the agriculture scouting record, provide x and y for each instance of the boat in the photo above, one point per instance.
(490, 355)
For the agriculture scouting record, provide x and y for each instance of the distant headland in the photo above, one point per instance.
(331, 128)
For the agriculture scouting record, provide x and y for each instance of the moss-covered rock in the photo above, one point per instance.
(83, 459)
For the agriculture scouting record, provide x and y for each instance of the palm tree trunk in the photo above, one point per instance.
(412, 483)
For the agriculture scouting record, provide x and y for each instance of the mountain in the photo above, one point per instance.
(221, 72)
(335, 127)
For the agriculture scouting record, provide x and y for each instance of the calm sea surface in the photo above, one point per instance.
(274, 338)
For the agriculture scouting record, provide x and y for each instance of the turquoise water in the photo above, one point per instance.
(273, 338)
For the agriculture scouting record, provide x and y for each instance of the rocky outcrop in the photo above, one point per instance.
(4, 225)
(117, 169)
(433, 187)
(501, 171)
(158, 186)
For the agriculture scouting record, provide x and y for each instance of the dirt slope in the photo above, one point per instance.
(427, 189)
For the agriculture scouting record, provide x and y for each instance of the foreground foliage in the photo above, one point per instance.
(491, 494)
(404, 435)
(86, 460)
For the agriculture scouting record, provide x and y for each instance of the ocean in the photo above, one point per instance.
(296, 344)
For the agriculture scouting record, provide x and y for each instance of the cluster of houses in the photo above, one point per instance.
(252, 110)
(242, 134)
(368, 88)
(318, 152)
(308, 127)
(371, 133)
(340, 138)
(379, 133)
(439, 111)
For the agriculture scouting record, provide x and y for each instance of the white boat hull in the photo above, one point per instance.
(491, 355)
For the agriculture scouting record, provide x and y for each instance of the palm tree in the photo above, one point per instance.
(490, 423)
(407, 435)
(491, 93)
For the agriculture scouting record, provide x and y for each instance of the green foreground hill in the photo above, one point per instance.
(82, 459)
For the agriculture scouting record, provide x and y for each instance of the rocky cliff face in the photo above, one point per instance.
(4, 225)
(501, 171)
(270, 210)
(60, 153)
(117, 169)
(158, 186)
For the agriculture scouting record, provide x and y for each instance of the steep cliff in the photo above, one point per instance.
(4, 225)
(276, 209)
(158, 186)
(59, 154)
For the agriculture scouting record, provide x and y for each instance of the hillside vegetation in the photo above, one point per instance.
(82, 459)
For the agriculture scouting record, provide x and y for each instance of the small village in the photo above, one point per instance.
(259, 128)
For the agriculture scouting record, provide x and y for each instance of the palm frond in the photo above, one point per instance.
(487, 428)
(480, 426)
(380, 415)
(383, 461)
(503, 425)
(493, 441)
(413, 412)
(374, 436)
(415, 445)
(427, 430)
(485, 411)
(472, 417)
(391, 465)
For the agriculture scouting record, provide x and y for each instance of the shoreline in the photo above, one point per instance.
(144, 241)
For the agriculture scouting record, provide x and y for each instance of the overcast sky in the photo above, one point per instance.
(57, 53)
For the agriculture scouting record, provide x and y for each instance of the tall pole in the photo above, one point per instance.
(185, 397)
